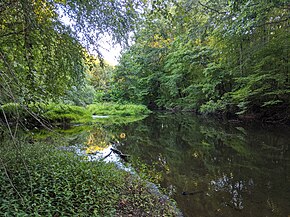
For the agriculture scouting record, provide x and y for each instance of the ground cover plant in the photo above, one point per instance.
(39, 179)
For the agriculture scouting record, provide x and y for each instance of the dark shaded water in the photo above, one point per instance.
(214, 168)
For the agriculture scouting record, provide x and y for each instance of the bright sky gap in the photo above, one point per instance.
(111, 52)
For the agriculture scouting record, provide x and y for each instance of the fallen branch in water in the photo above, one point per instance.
(107, 155)
(121, 155)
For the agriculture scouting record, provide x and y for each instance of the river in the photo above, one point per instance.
(212, 167)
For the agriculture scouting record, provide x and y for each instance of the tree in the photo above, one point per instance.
(41, 57)
(220, 56)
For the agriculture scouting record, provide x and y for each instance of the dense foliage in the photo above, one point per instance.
(58, 183)
(211, 56)
(222, 56)
(42, 56)
(208, 56)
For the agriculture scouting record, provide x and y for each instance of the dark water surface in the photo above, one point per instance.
(214, 168)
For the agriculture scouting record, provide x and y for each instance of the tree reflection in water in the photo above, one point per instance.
(230, 163)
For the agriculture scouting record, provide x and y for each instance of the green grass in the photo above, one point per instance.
(76, 114)
(45, 181)
(113, 109)
(66, 113)
(62, 113)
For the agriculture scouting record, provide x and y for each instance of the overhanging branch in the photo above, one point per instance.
(211, 9)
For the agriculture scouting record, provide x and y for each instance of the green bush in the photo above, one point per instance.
(211, 107)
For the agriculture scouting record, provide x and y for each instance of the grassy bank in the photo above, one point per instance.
(62, 113)
(41, 180)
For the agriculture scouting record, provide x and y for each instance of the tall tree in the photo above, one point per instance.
(40, 56)
(222, 56)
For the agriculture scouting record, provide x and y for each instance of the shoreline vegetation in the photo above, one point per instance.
(59, 113)
(60, 183)
(40, 179)
(228, 59)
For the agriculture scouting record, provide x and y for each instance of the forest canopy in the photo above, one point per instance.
(226, 57)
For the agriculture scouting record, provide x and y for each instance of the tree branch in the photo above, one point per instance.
(211, 9)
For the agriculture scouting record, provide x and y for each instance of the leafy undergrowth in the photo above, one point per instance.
(40, 180)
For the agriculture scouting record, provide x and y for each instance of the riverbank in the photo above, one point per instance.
(280, 116)
(40, 179)
(59, 114)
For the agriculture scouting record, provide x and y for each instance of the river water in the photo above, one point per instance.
(215, 168)
(210, 167)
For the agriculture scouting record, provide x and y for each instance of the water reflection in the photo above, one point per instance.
(97, 141)
(214, 168)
